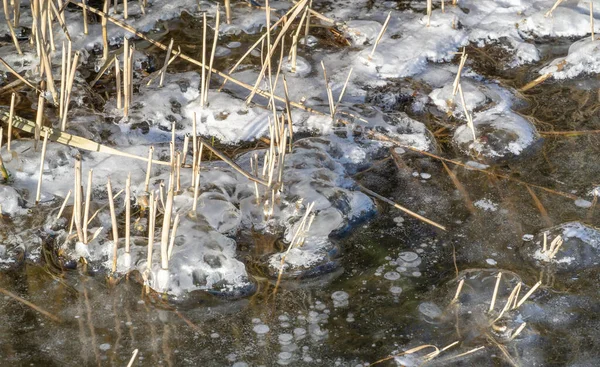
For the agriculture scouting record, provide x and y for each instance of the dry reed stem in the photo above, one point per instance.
(459, 186)
(410, 351)
(528, 294)
(64, 204)
(556, 4)
(539, 206)
(71, 140)
(535, 82)
(231, 163)
(11, 114)
(148, 169)
(173, 235)
(38, 121)
(77, 205)
(212, 54)
(493, 302)
(397, 206)
(10, 28)
(127, 213)
(203, 83)
(115, 229)
(135, 352)
(381, 32)
(105, 31)
(518, 331)
(458, 290)
(228, 11)
(463, 60)
(86, 211)
(467, 114)
(13, 72)
(38, 194)
(30, 305)
(69, 86)
(197, 177)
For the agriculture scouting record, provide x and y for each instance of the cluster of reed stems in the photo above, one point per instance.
(554, 246)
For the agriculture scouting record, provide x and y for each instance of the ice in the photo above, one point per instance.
(340, 299)
(430, 310)
(261, 329)
(583, 58)
(395, 290)
(499, 135)
(10, 201)
(391, 275)
(486, 205)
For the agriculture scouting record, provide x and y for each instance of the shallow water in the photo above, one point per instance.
(396, 279)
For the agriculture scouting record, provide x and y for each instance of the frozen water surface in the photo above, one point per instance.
(316, 271)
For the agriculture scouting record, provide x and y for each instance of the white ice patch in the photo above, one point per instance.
(486, 204)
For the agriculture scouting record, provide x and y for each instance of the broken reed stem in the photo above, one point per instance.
(197, 178)
(148, 169)
(186, 143)
(71, 79)
(545, 243)
(231, 163)
(528, 294)
(493, 303)
(29, 304)
(288, 111)
(126, 75)
(38, 194)
(10, 28)
(212, 54)
(125, 9)
(429, 9)
(461, 65)
(540, 206)
(328, 91)
(458, 290)
(164, 68)
(173, 234)
(10, 119)
(85, 18)
(77, 204)
(397, 206)
(86, 211)
(127, 212)
(118, 82)
(64, 204)
(381, 32)
(13, 72)
(115, 229)
(467, 114)
(228, 11)
(38, 120)
(342, 92)
(105, 32)
(459, 186)
(203, 84)
(539, 80)
(151, 220)
(164, 243)
(556, 4)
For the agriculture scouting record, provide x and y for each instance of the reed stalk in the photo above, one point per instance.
(38, 194)
(88, 200)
